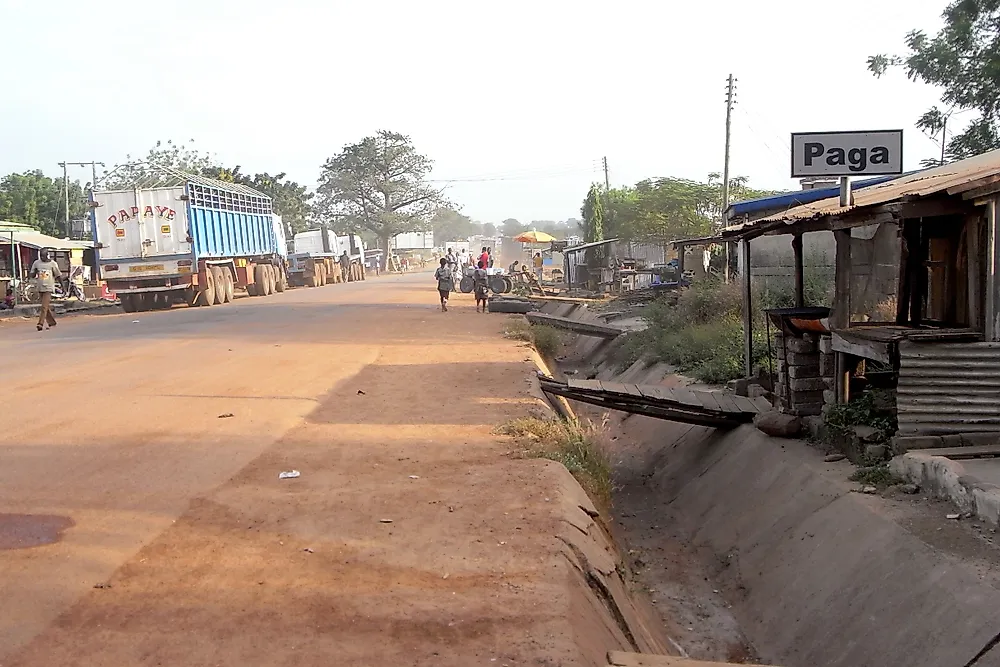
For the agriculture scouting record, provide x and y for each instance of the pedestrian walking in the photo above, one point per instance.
(538, 264)
(45, 272)
(481, 288)
(446, 282)
(489, 255)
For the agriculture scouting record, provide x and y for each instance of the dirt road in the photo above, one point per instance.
(410, 537)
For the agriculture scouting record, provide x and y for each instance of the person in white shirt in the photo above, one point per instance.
(45, 272)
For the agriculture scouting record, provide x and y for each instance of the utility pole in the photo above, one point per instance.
(730, 100)
(93, 183)
(607, 181)
(66, 194)
(944, 136)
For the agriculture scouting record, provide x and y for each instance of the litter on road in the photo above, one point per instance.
(226, 415)
(289, 474)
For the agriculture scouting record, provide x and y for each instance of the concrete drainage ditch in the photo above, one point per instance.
(753, 548)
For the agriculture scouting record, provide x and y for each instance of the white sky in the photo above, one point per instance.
(533, 92)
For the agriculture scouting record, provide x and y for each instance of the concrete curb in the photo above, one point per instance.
(949, 480)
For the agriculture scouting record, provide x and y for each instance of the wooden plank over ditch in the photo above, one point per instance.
(591, 328)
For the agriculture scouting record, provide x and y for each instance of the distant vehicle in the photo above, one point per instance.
(315, 258)
(181, 238)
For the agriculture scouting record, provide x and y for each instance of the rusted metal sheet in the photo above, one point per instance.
(948, 388)
(955, 178)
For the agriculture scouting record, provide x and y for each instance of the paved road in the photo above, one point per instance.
(115, 443)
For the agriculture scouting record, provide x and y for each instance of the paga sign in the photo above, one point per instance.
(847, 153)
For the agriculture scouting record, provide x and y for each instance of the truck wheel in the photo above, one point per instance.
(323, 274)
(282, 280)
(361, 268)
(145, 302)
(230, 283)
(161, 300)
(206, 292)
(467, 285)
(220, 284)
(272, 279)
(508, 285)
(260, 280)
(496, 284)
(129, 302)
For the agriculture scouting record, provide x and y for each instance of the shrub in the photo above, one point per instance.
(573, 444)
(545, 339)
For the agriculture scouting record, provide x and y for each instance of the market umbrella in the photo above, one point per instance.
(534, 237)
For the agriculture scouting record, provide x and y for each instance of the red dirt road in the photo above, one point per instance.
(205, 557)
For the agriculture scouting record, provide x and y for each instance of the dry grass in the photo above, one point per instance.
(544, 338)
(573, 444)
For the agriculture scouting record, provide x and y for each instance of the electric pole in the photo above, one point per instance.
(93, 183)
(730, 100)
(944, 136)
(607, 182)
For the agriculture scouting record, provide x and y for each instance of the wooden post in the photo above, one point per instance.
(840, 318)
(747, 308)
(974, 266)
(992, 332)
(681, 251)
(800, 290)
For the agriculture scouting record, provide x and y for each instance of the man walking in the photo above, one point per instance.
(45, 272)
(445, 281)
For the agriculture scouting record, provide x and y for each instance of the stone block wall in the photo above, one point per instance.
(805, 373)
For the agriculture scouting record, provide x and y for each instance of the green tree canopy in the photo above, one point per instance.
(511, 227)
(378, 184)
(489, 229)
(179, 156)
(288, 199)
(32, 198)
(450, 225)
(593, 215)
(963, 59)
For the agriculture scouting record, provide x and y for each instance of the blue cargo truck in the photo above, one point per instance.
(180, 238)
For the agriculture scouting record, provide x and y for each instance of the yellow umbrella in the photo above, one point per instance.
(534, 237)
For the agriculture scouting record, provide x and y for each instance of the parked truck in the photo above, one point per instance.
(187, 239)
(316, 255)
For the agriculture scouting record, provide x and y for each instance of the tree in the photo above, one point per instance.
(34, 199)
(593, 223)
(964, 60)
(489, 229)
(378, 184)
(450, 225)
(288, 199)
(511, 227)
(176, 156)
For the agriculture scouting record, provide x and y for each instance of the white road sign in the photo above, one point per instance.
(847, 153)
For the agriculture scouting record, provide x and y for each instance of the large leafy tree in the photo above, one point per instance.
(289, 199)
(178, 156)
(511, 227)
(963, 59)
(450, 225)
(379, 184)
(32, 198)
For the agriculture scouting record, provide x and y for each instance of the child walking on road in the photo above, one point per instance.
(446, 282)
(481, 287)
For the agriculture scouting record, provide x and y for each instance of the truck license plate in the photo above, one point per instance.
(145, 268)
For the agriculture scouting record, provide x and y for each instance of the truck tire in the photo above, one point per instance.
(361, 269)
(260, 280)
(508, 284)
(230, 283)
(161, 300)
(206, 292)
(467, 285)
(282, 283)
(272, 279)
(497, 284)
(220, 284)
(129, 302)
(324, 274)
(146, 302)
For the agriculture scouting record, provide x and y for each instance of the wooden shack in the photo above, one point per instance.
(916, 300)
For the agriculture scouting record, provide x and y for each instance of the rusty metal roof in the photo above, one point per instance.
(953, 178)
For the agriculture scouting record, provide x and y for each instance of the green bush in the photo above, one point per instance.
(701, 334)
(546, 339)
(571, 443)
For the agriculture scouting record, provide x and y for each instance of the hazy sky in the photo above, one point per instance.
(528, 94)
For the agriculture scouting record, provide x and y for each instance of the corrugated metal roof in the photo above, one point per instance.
(918, 184)
(787, 200)
(577, 248)
(36, 240)
(948, 388)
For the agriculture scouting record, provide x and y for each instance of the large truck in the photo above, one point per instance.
(182, 238)
(316, 254)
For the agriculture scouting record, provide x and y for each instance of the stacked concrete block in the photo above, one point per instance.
(826, 366)
(800, 381)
